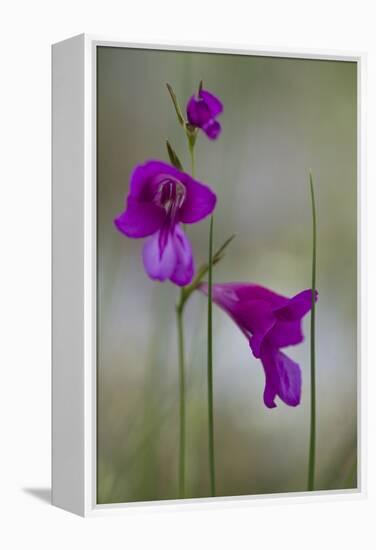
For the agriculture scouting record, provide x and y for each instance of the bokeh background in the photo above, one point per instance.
(282, 117)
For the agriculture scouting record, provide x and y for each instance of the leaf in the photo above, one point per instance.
(220, 252)
(175, 161)
(176, 105)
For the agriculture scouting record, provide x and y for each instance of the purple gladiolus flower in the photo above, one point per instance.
(270, 322)
(159, 200)
(202, 113)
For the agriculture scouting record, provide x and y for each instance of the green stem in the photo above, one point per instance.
(179, 317)
(192, 153)
(210, 363)
(184, 296)
(181, 352)
(312, 439)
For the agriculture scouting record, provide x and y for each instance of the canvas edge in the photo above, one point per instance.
(67, 198)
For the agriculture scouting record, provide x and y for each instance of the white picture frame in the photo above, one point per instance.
(74, 277)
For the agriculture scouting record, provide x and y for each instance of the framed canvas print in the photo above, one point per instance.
(207, 212)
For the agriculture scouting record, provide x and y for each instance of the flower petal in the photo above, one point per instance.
(142, 184)
(287, 331)
(139, 219)
(282, 378)
(214, 104)
(285, 334)
(228, 295)
(192, 111)
(159, 262)
(139, 186)
(297, 306)
(198, 112)
(212, 129)
(184, 267)
(250, 291)
(199, 202)
(255, 317)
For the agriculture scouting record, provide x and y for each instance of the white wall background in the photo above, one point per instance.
(27, 30)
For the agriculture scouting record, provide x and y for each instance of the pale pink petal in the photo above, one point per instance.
(159, 262)
(184, 267)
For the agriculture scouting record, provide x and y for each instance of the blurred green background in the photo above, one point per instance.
(281, 118)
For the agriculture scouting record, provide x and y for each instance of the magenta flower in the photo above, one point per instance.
(270, 322)
(202, 111)
(160, 198)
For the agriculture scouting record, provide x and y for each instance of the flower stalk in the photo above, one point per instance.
(210, 363)
(181, 347)
(192, 154)
(181, 352)
(312, 438)
(185, 294)
(202, 112)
